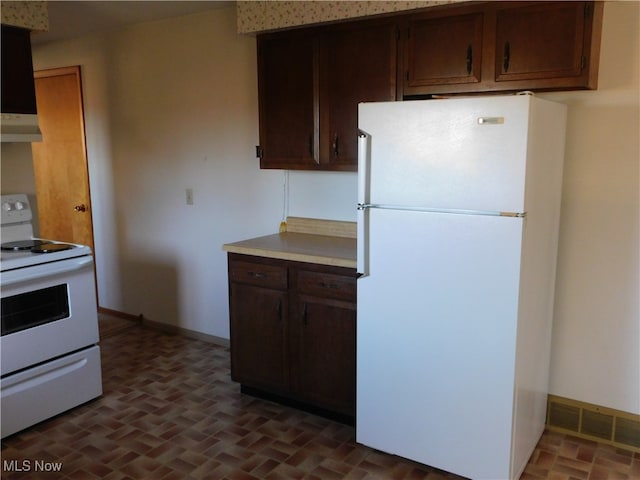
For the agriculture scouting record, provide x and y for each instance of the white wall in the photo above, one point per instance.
(596, 338)
(17, 169)
(173, 104)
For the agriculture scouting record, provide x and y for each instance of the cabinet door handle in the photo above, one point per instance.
(506, 57)
(335, 145)
(279, 310)
(469, 59)
(304, 313)
(310, 145)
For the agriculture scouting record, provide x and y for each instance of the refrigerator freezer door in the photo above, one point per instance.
(436, 320)
(447, 154)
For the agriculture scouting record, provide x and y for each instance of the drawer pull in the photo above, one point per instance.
(257, 275)
(333, 286)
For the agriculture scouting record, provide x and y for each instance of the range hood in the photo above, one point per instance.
(18, 109)
(19, 127)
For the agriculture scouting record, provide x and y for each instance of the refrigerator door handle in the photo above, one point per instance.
(362, 214)
(362, 241)
(363, 168)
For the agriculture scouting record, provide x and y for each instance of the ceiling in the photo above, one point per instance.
(72, 19)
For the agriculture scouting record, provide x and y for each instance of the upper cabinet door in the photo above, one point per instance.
(545, 43)
(357, 64)
(310, 83)
(443, 51)
(287, 88)
(502, 46)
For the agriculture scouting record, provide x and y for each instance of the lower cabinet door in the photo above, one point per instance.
(323, 352)
(259, 337)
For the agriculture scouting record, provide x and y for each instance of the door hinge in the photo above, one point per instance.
(258, 151)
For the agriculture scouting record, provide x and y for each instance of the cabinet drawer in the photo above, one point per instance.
(327, 285)
(270, 276)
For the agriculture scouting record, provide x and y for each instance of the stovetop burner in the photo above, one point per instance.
(21, 244)
(51, 247)
(35, 246)
(20, 248)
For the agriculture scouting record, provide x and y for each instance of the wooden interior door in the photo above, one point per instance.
(60, 160)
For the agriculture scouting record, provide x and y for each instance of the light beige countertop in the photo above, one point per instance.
(333, 246)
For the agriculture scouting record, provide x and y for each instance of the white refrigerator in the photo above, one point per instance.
(458, 218)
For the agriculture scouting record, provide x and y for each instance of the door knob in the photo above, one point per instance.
(80, 208)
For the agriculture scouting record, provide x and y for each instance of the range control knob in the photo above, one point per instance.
(20, 206)
(7, 207)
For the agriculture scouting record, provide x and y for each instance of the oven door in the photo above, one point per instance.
(48, 310)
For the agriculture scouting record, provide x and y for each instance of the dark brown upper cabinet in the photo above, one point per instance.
(287, 89)
(548, 45)
(502, 46)
(443, 50)
(357, 64)
(310, 82)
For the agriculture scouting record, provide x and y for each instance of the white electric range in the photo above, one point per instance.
(49, 353)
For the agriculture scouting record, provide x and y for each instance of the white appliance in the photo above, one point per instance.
(458, 218)
(49, 353)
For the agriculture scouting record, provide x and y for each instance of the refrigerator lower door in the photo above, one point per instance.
(437, 319)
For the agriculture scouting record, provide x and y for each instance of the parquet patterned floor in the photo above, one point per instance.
(170, 411)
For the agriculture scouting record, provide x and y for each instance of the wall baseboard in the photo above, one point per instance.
(581, 419)
(593, 422)
(118, 314)
(172, 329)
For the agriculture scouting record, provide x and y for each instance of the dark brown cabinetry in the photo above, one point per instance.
(548, 45)
(443, 50)
(323, 328)
(259, 303)
(310, 83)
(357, 64)
(312, 79)
(293, 330)
(502, 46)
(287, 90)
(18, 87)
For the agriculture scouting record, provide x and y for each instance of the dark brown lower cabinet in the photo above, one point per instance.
(259, 336)
(293, 331)
(324, 344)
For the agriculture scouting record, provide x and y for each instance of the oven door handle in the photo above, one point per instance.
(36, 272)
